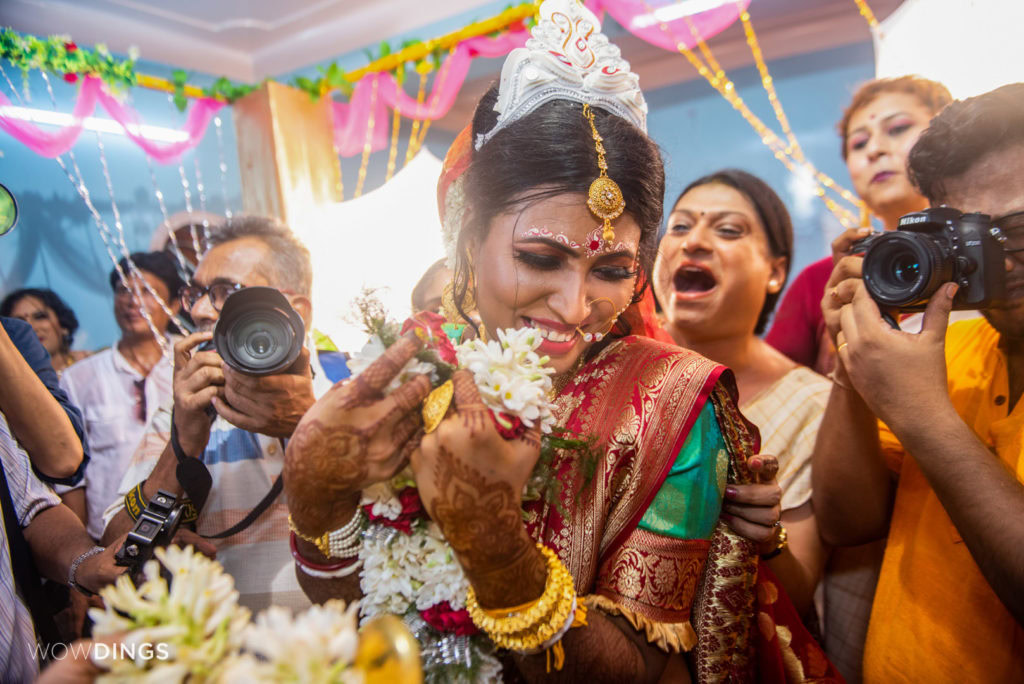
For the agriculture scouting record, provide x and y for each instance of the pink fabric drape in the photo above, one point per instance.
(644, 19)
(92, 91)
(352, 119)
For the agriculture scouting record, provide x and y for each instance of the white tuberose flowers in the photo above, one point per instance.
(510, 375)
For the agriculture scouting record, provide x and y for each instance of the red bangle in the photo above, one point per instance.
(320, 567)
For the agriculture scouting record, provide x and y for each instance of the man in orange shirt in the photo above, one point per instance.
(945, 479)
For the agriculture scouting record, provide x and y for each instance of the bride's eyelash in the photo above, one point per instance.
(541, 262)
(616, 273)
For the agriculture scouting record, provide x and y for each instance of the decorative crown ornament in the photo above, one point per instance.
(567, 58)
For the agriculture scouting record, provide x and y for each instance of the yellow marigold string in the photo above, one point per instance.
(368, 145)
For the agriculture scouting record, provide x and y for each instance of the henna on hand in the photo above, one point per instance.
(470, 480)
(351, 438)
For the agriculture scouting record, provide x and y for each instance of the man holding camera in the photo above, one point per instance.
(229, 423)
(943, 473)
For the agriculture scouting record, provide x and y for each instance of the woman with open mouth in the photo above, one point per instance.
(720, 267)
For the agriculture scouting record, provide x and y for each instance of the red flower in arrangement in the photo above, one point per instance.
(427, 326)
(412, 508)
(442, 618)
(70, 47)
(517, 26)
(71, 78)
(508, 426)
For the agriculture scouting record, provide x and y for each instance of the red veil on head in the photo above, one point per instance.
(639, 319)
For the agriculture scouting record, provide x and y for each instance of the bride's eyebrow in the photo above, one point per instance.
(550, 243)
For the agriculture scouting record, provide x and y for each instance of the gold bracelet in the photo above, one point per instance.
(345, 539)
(530, 625)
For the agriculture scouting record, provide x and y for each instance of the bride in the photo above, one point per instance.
(551, 201)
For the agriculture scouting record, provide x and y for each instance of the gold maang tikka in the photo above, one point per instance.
(604, 197)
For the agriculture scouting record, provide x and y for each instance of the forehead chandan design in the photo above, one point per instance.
(594, 244)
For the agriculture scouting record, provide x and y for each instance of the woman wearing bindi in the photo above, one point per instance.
(878, 128)
(721, 265)
(551, 203)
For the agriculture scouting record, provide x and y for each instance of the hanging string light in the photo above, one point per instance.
(223, 166)
(866, 12)
(442, 75)
(368, 145)
(201, 191)
(423, 68)
(106, 234)
(396, 125)
(727, 89)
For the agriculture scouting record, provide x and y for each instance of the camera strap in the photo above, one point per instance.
(194, 477)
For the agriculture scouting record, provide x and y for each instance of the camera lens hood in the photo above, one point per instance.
(258, 332)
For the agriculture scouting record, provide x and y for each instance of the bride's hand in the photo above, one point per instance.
(351, 438)
(471, 480)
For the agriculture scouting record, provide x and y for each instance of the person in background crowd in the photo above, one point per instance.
(52, 320)
(242, 444)
(720, 268)
(878, 128)
(120, 388)
(426, 296)
(941, 411)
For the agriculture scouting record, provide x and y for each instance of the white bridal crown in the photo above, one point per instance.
(567, 58)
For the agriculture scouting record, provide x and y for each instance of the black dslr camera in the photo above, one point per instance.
(903, 269)
(156, 527)
(258, 332)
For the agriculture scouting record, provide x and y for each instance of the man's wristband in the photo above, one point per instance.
(135, 502)
(73, 571)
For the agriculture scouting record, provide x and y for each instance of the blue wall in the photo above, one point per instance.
(57, 244)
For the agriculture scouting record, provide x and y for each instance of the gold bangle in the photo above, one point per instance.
(322, 542)
(528, 626)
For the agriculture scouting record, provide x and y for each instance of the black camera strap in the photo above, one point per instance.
(194, 477)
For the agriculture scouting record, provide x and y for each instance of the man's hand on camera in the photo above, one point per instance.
(96, 572)
(271, 404)
(844, 281)
(900, 375)
(198, 378)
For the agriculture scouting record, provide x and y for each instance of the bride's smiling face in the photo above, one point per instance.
(544, 265)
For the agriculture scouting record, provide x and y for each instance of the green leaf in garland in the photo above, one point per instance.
(180, 101)
(385, 48)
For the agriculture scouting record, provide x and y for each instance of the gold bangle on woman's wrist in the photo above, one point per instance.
(781, 542)
(529, 626)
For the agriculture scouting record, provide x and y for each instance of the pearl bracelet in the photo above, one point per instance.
(343, 542)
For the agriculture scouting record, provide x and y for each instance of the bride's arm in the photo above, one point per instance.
(351, 438)
(470, 480)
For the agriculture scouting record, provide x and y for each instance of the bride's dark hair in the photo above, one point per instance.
(550, 152)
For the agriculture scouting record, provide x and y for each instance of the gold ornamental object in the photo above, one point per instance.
(604, 198)
(435, 406)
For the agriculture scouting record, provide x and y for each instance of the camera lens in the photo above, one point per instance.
(258, 332)
(903, 269)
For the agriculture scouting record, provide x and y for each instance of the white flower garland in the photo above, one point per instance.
(199, 633)
(511, 377)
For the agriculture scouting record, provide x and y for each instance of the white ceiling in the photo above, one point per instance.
(247, 40)
(244, 40)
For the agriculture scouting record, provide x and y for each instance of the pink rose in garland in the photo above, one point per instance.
(427, 326)
(441, 617)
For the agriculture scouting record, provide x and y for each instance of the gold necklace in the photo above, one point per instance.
(560, 382)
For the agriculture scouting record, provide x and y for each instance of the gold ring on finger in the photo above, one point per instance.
(839, 349)
(435, 406)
